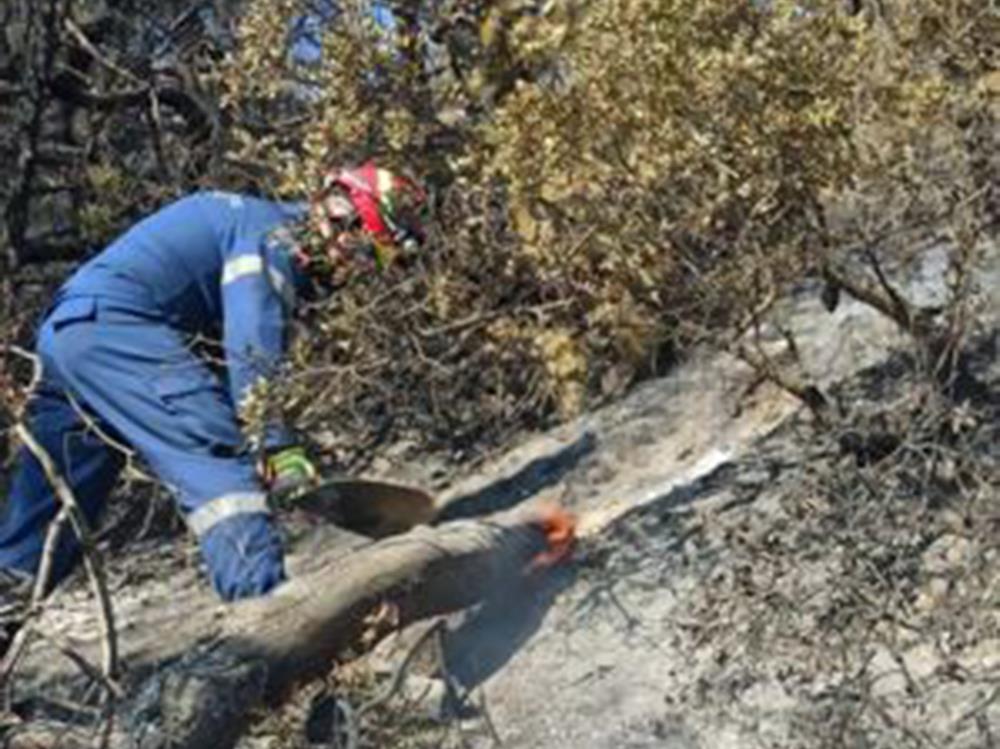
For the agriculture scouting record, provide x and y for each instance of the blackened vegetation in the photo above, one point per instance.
(93, 85)
(105, 114)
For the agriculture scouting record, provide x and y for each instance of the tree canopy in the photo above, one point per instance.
(613, 182)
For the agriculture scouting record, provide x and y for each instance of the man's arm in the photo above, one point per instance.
(258, 296)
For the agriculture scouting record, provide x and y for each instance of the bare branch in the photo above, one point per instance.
(95, 571)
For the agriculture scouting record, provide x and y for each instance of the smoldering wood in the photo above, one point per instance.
(195, 671)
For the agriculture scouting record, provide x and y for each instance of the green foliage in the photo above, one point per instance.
(614, 180)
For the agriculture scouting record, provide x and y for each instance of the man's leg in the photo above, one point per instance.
(138, 374)
(89, 466)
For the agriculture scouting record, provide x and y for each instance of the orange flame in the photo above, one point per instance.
(559, 527)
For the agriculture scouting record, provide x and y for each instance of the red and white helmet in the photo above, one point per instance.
(392, 208)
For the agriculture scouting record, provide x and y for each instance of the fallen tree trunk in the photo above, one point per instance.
(264, 647)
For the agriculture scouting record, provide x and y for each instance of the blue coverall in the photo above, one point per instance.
(117, 341)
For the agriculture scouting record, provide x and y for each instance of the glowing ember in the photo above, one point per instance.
(559, 527)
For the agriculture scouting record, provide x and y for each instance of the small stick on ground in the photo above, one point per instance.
(399, 675)
(13, 655)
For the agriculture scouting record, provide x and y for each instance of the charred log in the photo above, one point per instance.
(262, 648)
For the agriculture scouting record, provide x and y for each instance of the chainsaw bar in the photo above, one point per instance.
(374, 508)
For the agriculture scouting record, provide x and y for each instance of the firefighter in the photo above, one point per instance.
(115, 351)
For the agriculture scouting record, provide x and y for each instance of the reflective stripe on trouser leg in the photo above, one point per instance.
(214, 511)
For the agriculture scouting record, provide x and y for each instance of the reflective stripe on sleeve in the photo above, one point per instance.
(253, 265)
(241, 267)
(227, 506)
